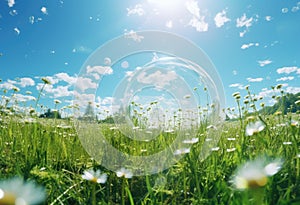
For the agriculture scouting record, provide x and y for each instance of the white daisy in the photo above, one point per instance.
(94, 176)
(254, 127)
(16, 191)
(124, 173)
(254, 174)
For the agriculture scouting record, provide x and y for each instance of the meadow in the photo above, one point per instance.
(256, 161)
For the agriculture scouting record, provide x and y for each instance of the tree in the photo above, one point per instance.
(89, 113)
(51, 114)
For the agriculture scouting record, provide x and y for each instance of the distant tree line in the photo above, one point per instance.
(285, 104)
(51, 114)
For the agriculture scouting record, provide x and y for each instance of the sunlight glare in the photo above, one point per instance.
(165, 4)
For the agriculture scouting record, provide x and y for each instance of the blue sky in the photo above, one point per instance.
(252, 43)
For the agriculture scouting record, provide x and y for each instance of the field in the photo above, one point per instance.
(256, 161)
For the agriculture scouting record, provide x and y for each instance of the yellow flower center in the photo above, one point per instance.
(255, 183)
(94, 180)
(7, 198)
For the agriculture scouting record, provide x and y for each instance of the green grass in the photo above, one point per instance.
(50, 152)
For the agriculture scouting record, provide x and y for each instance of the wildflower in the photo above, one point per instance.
(287, 143)
(254, 127)
(124, 173)
(46, 81)
(279, 86)
(191, 141)
(294, 123)
(94, 176)
(251, 118)
(215, 149)
(231, 149)
(254, 174)
(235, 94)
(278, 113)
(182, 151)
(16, 191)
(16, 89)
(57, 101)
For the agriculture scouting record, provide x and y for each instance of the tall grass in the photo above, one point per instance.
(50, 152)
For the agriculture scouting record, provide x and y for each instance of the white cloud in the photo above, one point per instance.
(264, 62)
(243, 33)
(285, 78)
(82, 99)
(236, 85)
(24, 98)
(169, 24)
(137, 10)
(7, 85)
(245, 46)
(65, 77)
(221, 19)
(156, 78)
(105, 101)
(252, 80)
(61, 91)
(11, 3)
(133, 35)
(44, 10)
(287, 70)
(85, 83)
(24, 82)
(199, 24)
(193, 8)
(102, 70)
(243, 21)
(197, 21)
(293, 90)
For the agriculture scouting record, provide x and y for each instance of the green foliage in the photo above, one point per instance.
(51, 114)
(285, 104)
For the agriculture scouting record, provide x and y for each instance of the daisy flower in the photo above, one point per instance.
(94, 176)
(254, 174)
(191, 141)
(124, 173)
(16, 191)
(182, 151)
(254, 127)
